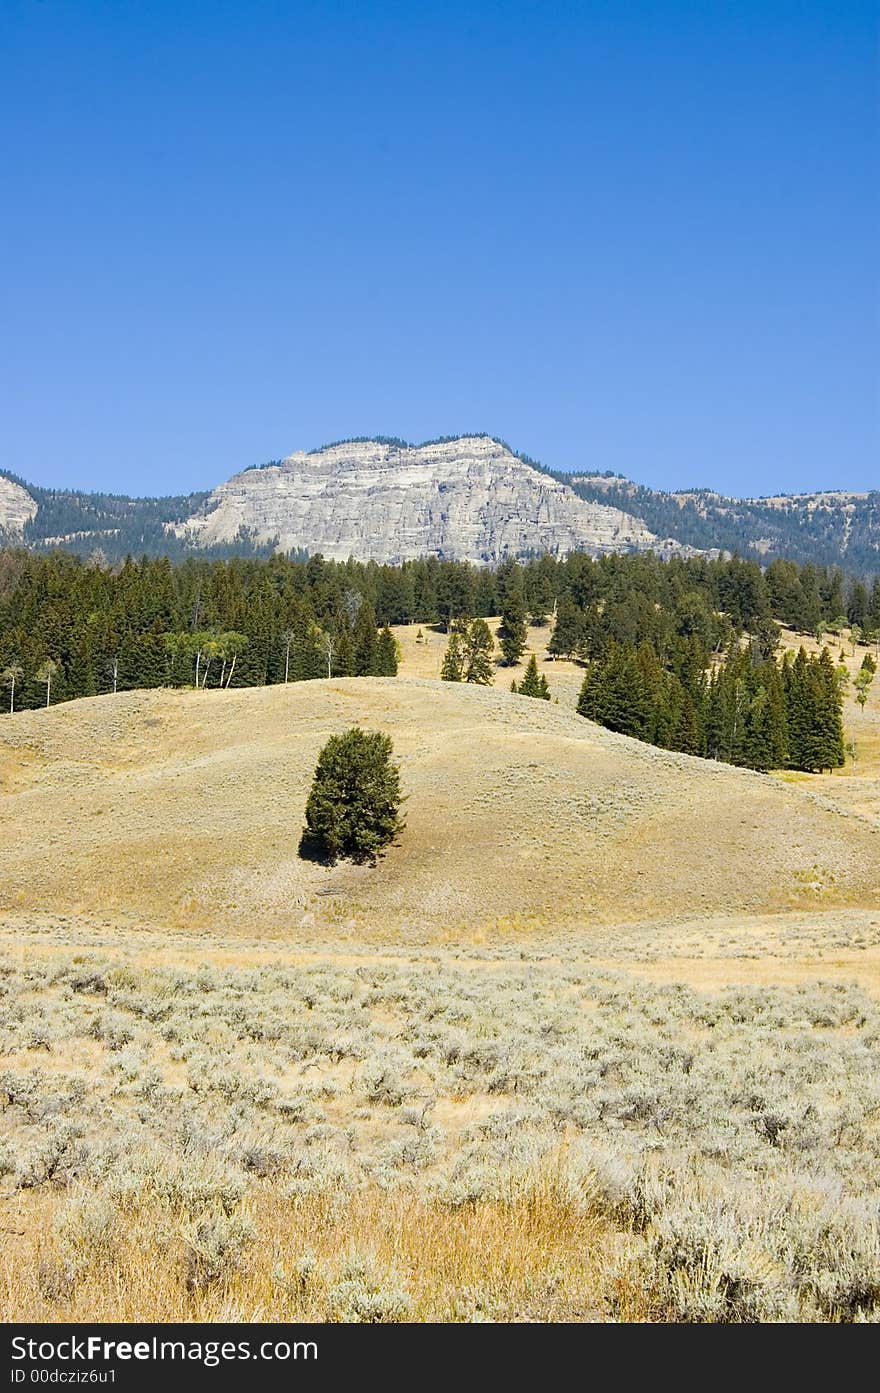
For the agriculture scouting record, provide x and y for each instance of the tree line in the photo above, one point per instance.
(747, 709)
(678, 652)
(689, 678)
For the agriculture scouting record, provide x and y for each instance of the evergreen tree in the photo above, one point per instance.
(615, 693)
(354, 806)
(476, 653)
(533, 684)
(830, 750)
(344, 656)
(306, 659)
(814, 713)
(858, 608)
(512, 632)
(686, 736)
(453, 660)
(567, 630)
(364, 641)
(386, 654)
(874, 607)
(82, 677)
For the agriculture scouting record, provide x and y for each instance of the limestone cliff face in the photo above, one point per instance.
(467, 499)
(16, 508)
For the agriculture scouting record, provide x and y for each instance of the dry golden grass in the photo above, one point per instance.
(533, 1129)
(539, 1256)
(575, 910)
(183, 809)
(423, 657)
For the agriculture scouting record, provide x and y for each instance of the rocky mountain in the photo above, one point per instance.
(17, 508)
(469, 498)
(464, 497)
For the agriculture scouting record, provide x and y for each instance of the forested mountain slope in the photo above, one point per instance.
(467, 497)
(827, 529)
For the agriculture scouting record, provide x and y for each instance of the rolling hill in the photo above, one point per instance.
(183, 809)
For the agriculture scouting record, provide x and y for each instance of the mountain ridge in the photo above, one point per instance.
(462, 498)
(830, 527)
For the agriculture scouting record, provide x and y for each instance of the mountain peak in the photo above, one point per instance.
(465, 498)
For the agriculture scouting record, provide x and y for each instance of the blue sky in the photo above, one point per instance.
(639, 237)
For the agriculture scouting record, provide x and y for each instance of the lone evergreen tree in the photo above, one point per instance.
(534, 683)
(353, 809)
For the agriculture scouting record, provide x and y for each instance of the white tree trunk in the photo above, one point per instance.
(232, 669)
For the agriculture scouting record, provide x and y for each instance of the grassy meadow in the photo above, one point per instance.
(633, 1078)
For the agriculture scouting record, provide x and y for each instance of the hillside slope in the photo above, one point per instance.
(827, 528)
(185, 808)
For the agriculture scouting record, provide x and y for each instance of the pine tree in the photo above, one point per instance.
(615, 694)
(82, 680)
(354, 806)
(453, 661)
(386, 654)
(830, 749)
(686, 736)
(797, 705)
(476, 653)
(364, 641)
(533, 684)
(343, 656)
(567, 630)
(512, 632)
(306, 659)
(874, 607)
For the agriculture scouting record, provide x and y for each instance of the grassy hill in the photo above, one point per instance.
(184, 809)
(599, 1035)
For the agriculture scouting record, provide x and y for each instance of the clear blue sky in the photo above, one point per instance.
(629, 236)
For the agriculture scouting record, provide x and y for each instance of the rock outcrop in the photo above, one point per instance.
(16, 508)
(464, 499)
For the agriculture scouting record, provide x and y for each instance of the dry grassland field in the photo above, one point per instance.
(597, 1040)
